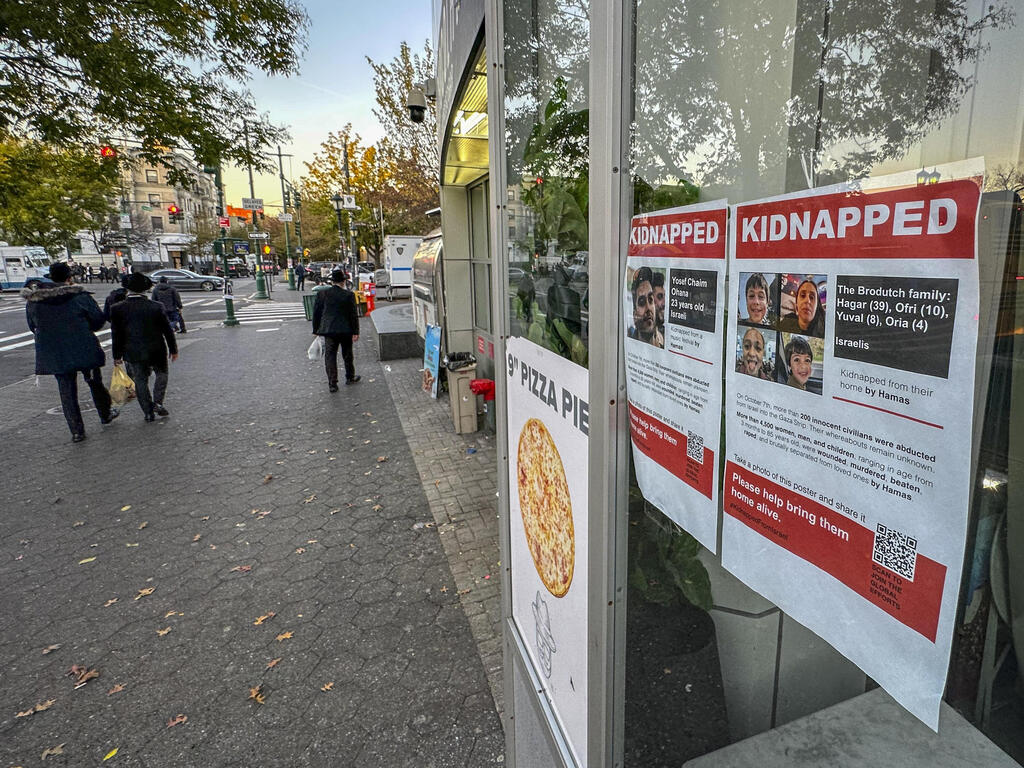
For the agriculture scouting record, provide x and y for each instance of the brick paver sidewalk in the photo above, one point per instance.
(256, 579)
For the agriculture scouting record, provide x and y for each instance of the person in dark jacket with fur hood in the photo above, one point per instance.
(64, 318)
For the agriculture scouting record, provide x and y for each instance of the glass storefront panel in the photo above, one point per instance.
(547, 155)
(747, 100)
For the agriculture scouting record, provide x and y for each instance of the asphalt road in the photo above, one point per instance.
(17, 353)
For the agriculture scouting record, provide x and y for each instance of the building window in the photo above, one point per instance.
(157, 222)
(155, 201)
(151, 176)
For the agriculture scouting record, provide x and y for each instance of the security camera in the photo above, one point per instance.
(416, 103)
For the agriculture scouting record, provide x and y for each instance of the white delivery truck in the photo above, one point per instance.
(23, 265)
(398, 254)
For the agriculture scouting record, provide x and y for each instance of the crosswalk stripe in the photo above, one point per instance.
(15, 346)
(193, 303)
(211, 303)
(15, 336)
(20, 344)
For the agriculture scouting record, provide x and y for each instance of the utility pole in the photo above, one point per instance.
(261, 283)
(348, 223)
(220, 249)
(284, 207)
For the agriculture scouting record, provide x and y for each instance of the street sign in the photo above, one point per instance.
(348, 202)
(252, 203)
(259, 235)
(284, 217)
(240, 249)
(224, 222)
(124, 221)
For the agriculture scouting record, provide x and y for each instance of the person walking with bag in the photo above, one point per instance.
(142, 339)
(64, 318)
(168, 295)
(336, 320)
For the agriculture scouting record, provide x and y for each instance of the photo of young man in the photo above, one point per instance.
(645, 327)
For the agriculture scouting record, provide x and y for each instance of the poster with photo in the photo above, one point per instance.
(431, 359)
(548, 449)
(849, 418)
(674, 294)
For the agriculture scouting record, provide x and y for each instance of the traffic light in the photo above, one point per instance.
(174, 213)
(266, 249)
(298, 199)
(108, 152)
(287, 199)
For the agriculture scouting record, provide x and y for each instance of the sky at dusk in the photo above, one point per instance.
(335, 83)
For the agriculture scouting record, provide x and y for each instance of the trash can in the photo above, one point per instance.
(308, 299)
(461, 371)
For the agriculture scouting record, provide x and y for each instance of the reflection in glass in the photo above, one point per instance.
(547, 154)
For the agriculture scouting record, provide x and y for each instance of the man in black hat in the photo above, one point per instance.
(64, 318)
(142, 338)
(335, 318)
(168, 295)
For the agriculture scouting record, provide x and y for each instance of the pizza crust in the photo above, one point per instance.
(546, 507)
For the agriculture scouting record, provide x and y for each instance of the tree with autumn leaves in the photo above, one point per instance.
(395, 180)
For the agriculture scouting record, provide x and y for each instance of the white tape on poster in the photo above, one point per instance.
(849, 415)
(548, 443)
(674, 296)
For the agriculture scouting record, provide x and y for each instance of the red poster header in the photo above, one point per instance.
(927, 221)
(681, 235)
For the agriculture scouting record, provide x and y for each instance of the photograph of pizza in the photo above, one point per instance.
(546, 507)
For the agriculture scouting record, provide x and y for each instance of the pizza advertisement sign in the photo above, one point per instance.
(673, 307)
(548, 446)
(852, 337)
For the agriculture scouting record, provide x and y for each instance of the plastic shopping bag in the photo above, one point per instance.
(122, 388)
(316, 349)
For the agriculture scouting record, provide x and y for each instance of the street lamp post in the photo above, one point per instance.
(338, 202)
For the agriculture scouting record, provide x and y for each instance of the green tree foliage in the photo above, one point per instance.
(47, 194)
(168, 73)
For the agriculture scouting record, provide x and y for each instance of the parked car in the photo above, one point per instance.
(186, 279)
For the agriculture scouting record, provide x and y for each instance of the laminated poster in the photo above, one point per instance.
(431, 359)
(548, 428)
(849, 415)
(674, 297)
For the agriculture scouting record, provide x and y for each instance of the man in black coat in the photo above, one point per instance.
(64, 318)
(142, 338)
(168, 295)
(300, 276)
(335, 318)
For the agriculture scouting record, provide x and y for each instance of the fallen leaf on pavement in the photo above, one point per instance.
(126, 507)
(327, 686)
(464, 591)
(381, 459)
(377, 507)
(274, 662)
(26, 713)
(444, 589)
(256, 694)
(50, 648)
(145, 592)
(163, 631)
(284, 636)
(307, 500)
(116, 689)
(312, 541)
(264, 617)
(197, 537)
(242, 568)
(135, 544)
(300, 550)
(86, 560)
(58, 750)
(172, 613)
(205, 518)
(43, 706)
(109, 755)
(82, 674)
(335, 511)
(78, 523)
(143, 525)
(177, 720)
(110, 602)
(267, 479)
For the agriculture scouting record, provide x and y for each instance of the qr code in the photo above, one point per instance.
(695, 447)
(895, 551)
